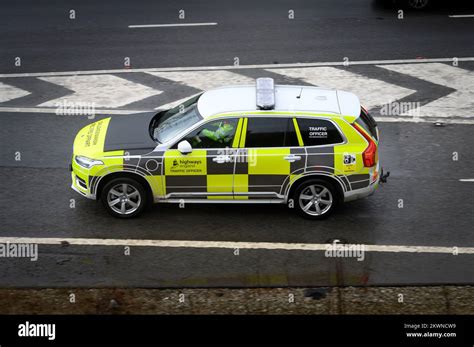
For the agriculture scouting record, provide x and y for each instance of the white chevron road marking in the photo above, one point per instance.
(101, 90)
(450, 250)
(175, 103)
(237, 67)
(371, 92)
(205, 80)
(8, 92)
(457, 104)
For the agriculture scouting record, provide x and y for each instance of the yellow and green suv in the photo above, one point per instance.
(308, 147)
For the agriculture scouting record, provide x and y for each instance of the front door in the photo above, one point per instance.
(206, 172)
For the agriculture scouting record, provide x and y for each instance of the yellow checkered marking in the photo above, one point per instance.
(269, 161)
(241, 185)
(219, 184)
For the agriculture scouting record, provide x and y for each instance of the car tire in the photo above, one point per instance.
(124, 197)
(315, 198)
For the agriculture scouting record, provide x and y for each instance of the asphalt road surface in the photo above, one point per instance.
(426, 208)
(42, 34)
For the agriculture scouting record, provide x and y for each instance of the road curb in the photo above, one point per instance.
(322, 300)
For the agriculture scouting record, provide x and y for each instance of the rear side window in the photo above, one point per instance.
(270, 132)
(368, 123)
(318, 132)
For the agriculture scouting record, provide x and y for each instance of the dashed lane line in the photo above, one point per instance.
(232, 245)
(138, 26)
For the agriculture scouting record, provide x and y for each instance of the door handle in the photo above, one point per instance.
(292, 158)
(221, 159)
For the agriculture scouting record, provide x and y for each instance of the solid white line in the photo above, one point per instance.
(234, 67)
(422, 120)
(98, 112)
(461, 16)
(466, 180)
(230, 245)
(170, 25)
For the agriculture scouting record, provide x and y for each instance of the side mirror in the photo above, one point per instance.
(185, 147)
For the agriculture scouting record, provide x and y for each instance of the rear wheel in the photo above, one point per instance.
(315, 199)
(124, 197)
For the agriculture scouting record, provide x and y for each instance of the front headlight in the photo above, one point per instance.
(87, 162)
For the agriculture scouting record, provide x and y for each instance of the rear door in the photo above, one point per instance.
(273, 153)
(206, 172)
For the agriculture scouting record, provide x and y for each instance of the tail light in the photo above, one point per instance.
(370, 154)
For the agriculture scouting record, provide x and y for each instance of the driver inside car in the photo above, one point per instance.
(223, 134)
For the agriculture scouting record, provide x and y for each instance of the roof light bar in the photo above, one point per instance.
(265, 88)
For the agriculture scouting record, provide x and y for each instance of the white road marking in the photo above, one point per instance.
(175, 103)
(460, 103)
(461, 16)
(8, 92)
(422, 120)
(205, 80)
(101, 90)
(237, 67)
(231, 245)
(53, 111)
(466, 180)
(372, 92)
(170, 25)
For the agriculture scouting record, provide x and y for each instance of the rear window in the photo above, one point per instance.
(318, 132)
(270, 132)
(368, 123)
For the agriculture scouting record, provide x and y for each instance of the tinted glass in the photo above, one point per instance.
(317, 132)
(368, 123)
(270, 132)
(214, 134)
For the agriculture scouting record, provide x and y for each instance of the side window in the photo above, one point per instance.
(270, 132)
(214, 134)
(317, 132)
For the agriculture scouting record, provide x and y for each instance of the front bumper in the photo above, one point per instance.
(80, 185)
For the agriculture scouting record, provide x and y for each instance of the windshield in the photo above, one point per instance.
(172, 122)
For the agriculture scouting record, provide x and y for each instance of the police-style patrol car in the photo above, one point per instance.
(309, 147)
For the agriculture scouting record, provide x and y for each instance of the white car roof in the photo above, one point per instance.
(287, 98)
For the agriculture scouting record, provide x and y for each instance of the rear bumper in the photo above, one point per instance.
(366, 191)
(361, 193)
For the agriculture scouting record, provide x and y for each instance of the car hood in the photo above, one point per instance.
(131, 132)
(118, 133)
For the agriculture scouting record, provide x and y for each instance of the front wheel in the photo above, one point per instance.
(124, 197)
(315, 199)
